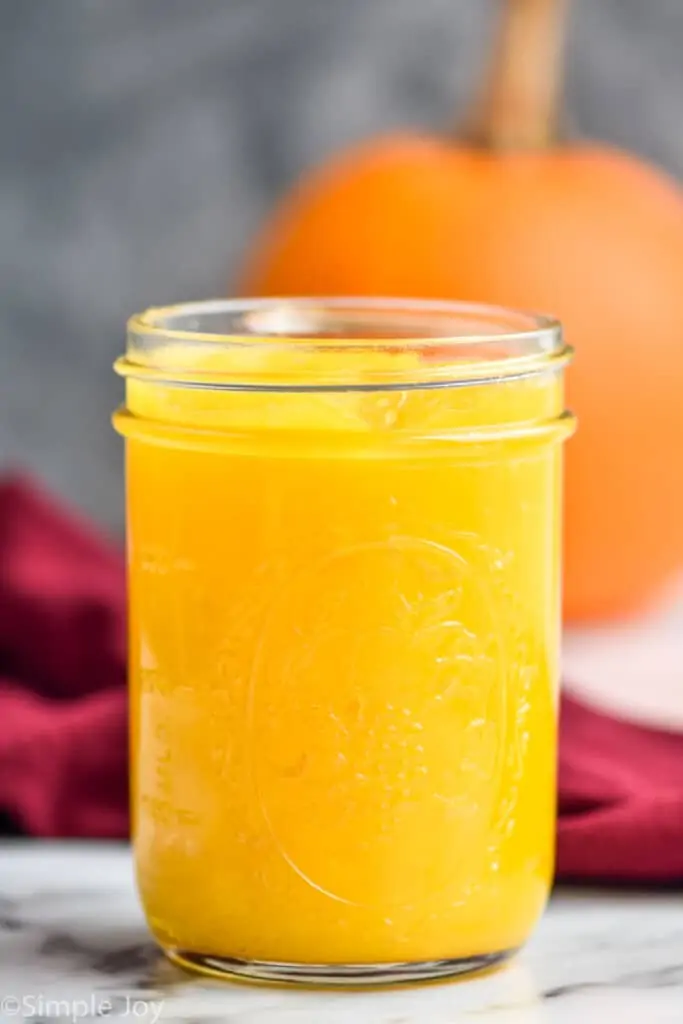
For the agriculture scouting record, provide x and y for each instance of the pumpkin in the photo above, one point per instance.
(508, 214)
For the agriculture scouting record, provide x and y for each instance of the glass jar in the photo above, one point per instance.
(344, 561)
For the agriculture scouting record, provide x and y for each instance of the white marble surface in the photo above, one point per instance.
(73, 947)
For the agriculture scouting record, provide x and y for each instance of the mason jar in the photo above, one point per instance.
(344, 584)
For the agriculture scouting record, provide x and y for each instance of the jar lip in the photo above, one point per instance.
(338, 342)
(158, 321)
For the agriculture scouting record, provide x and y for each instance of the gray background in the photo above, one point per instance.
(142, 140)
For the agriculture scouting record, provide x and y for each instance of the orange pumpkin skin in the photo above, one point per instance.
(587, 233)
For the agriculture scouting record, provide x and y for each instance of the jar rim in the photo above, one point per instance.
(457, 342)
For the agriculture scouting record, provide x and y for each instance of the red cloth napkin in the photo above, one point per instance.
(621, 799)
(63, 757)
(63, 716)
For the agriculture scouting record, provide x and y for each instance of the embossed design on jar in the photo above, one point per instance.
(400, 719)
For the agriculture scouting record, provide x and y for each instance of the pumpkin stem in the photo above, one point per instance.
(518, 105)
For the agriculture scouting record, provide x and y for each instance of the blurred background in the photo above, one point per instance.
(144, 141)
